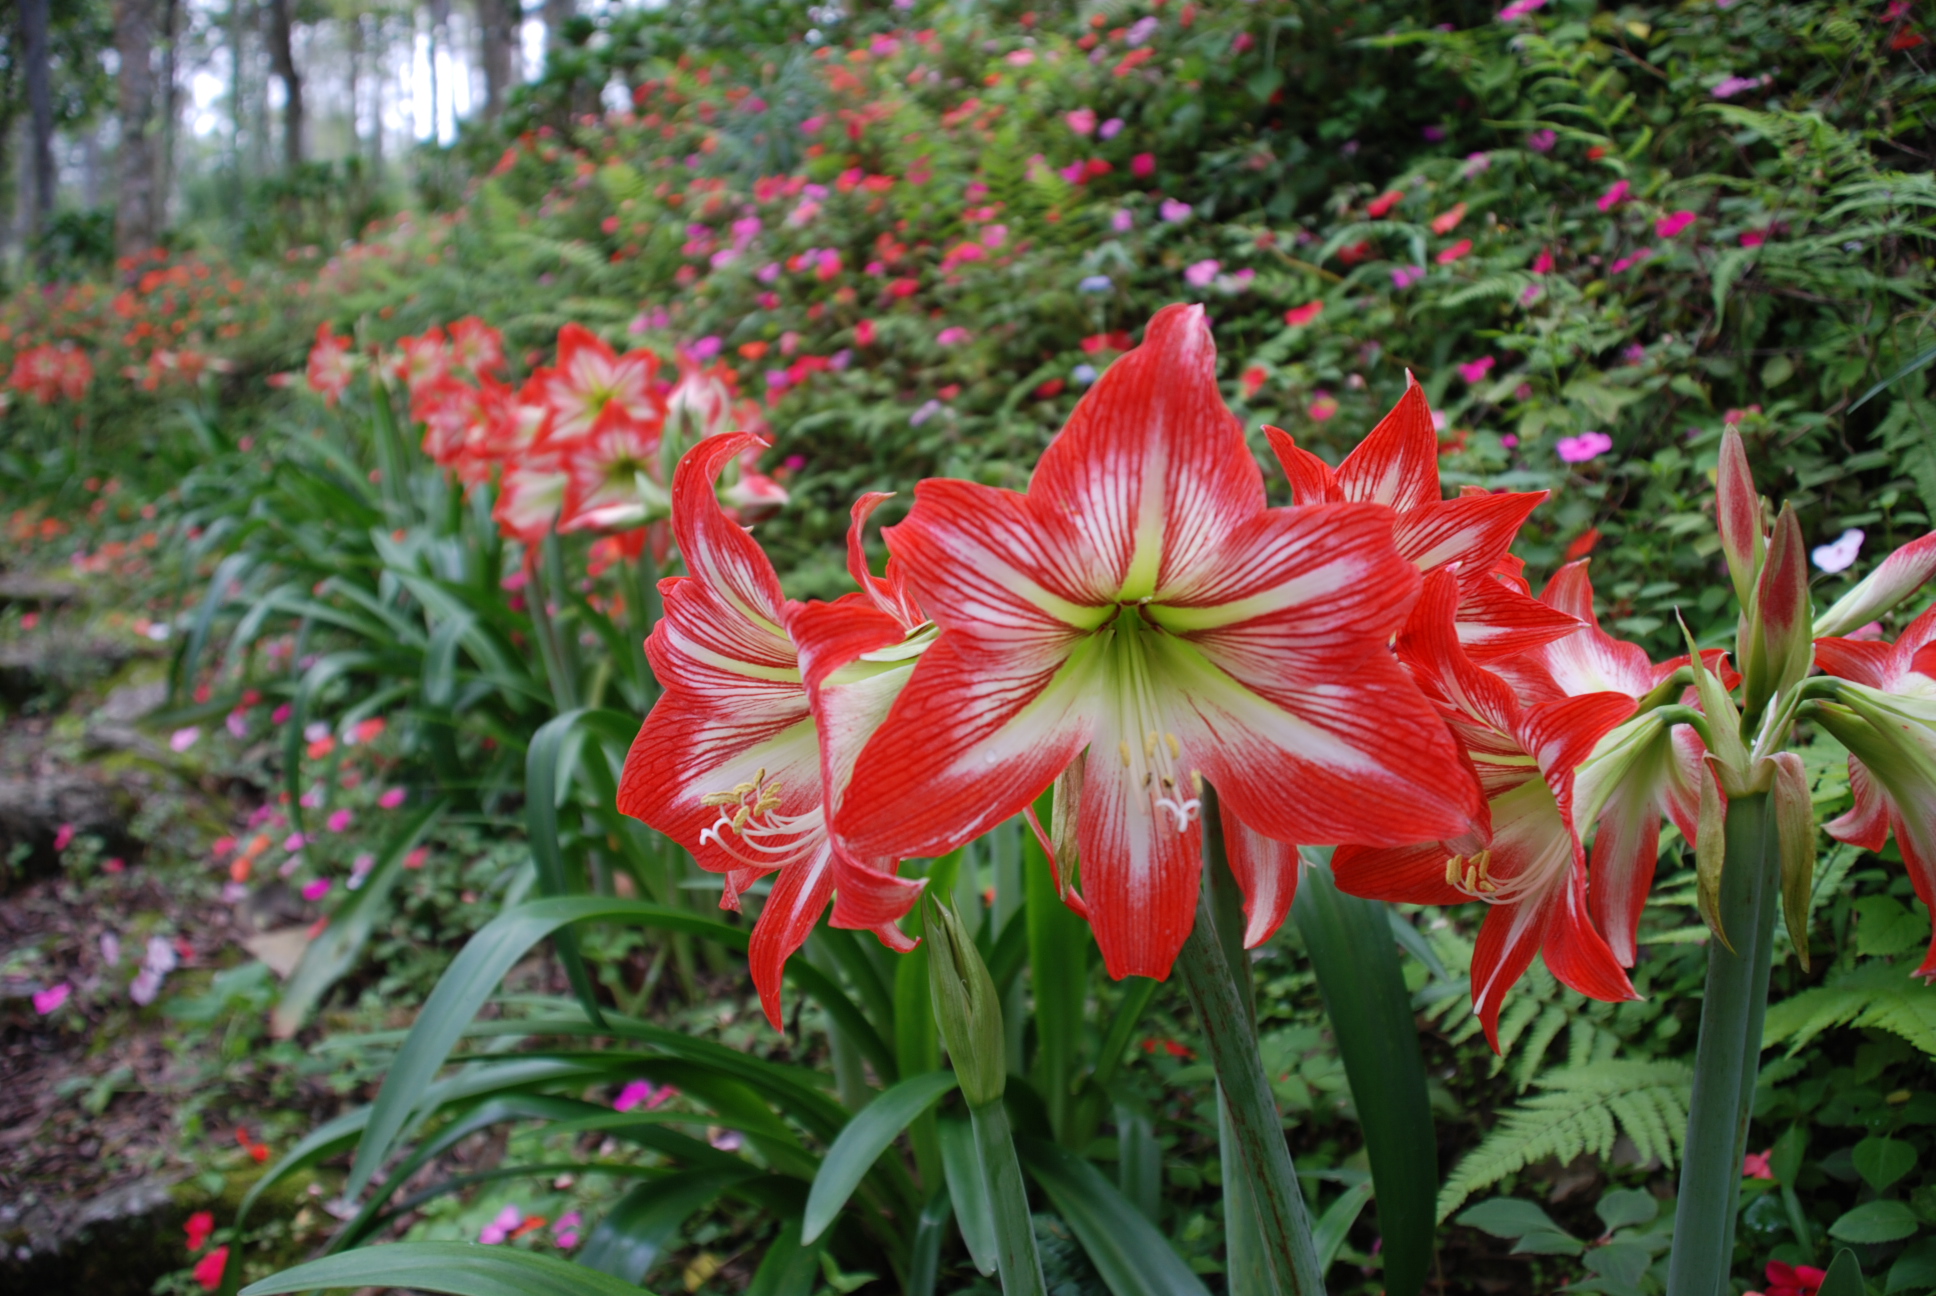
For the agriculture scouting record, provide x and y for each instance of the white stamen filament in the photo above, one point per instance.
(749, 816)
(1171, 793)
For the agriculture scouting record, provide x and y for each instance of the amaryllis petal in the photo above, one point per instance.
(798, 898)
(1267, 872)
(1866, 661)
(1497, 622)
(1472, 530)
(1867, 822)
(889, 593)
(1895, 578)
(1312, 480)
(1398, 463)
(1402, 874)
(1626, 848)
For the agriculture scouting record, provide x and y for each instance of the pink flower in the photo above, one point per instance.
(1454, 253)
(281, 714)
(1323, 406)
(63, 835)
(1734, 85)
(1475, 370)
(632, 1095)
(500, 1228)
(1615, 196)
(1123, 221)
(360, 869)
(565, 1231)
(1519, 9)
(1629, 262)
(953, 335)
(315, 890)
(208, 1270)
(294, 842)
(48, 1000)
(994, 236)
(1175, 211)
(1110, 129)
(1404, 277)
(727, 1140)
(1082, 121)
(238, 723)
(1202, 273)
(1668, 226)
(1143, 165)
(1298, 316)
(1753, 238)
(1543, 263)
(198, 1228)
(340, 820)
(182, 739)
(391, 798)
(1542, 141)
(1755, 1165)
(1584, 447)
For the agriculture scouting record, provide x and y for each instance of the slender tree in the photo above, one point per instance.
(137, 213)
(497, 25)
(40, 107)
(282, 57)
(556, 14)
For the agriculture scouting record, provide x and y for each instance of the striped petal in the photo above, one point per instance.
(1267, 872)
(1398, 463)
(1312, 480)
(798, 898)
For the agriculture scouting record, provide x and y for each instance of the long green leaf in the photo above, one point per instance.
(1921, 360)
(867, 1135)
(968, 1190)
(335, 949)
(1355, 956)
(924, 1268)
(541, 762)
(634, 1233)
(1132, 1257)
(787, 1268)
(475, 974)
(455, 1268)
(1328, 1234)
(1058, 943)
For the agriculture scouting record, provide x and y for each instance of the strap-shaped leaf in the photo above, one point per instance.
(1355, 956)
(634, 1233)
(1132, 1257)
(787, 1268)
(541, 767)
(453, 1268)
(924, 1262)
(968, 1191)
(1329, 1233)
(867, 1135)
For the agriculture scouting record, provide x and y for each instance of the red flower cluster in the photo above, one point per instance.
(52, 371)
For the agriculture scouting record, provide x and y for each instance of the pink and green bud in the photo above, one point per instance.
(1738, 514)
(1780, 645)
(1795, 833)
(966, 1007)
(1898, 576)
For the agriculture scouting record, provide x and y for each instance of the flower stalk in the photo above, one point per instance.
(1263, 1158)
(1728, 1056)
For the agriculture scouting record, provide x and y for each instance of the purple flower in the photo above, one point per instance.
(706, 348)
(633, 1094)
(1404, 277)
(1434, 134)
(1614, 196)
(500, 1228)
(47, 1002)
(1584, 447)
(315, 889)
(1542, 141)
(1734, 85)
(360, 870)
(927, 410)
(1123, 221)
(1175, 211)
(1475, 164)
(238, 723)
(768, 273)
(339, 821)
(182, 739)
(1110, 129)
(1141, 31)
(1836, 556)
(953, 335)
(1200, 274)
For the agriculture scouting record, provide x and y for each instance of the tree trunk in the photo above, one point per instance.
(497, 25)
(40, 106)
(137, 216)
(556, 14)
(171, 15)
(282, 57)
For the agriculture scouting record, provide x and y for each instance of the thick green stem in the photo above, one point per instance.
(1728, 1056)
(1246, 1266)
(1255, 1127)
(1015, 1255)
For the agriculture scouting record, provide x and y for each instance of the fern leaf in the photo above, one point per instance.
(1876, 994)
(1579, 1110)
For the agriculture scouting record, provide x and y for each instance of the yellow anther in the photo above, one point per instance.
(1149, 745)
(1176, 748)
(1124, 747)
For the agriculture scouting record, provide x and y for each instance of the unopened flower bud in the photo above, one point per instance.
(966, 1007)
(1895, 578)
(1738, 514)
(1781, 641)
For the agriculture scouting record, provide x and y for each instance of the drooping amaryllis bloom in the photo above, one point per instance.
(701, 402)
(1528, 865)
(330, 364)
(1397, 465)
(765, 707)
(1141, 603)
(592, 382)
(1892, 765)
(1639, 772)
(531, 496)
(422, 360)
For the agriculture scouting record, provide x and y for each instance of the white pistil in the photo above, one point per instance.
(749, 821)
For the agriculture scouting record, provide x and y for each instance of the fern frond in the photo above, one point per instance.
(1874, 994)
(1580, 1110)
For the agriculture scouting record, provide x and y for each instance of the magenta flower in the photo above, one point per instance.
(1543, 263)
(632, 1095)
(1143, 165)
(1123, 221)
(1542, 141)
(1404, 277)
(1753, 238)
(1615, 196)
(1110, 129)
(340, 820)
(953, 335)
(1202, 273)
(500, 1228)
(1584, 447)
(315, 890)
(1082, 121)
(48, 1001)
(1475, 370)
(1175, 211)
(391, 798)
(1734, 85)
(62, 836)
(1519, 9)
(1475, 164)
(1668, 226)
(1629, 262)
(238, 723)
(565, 1231)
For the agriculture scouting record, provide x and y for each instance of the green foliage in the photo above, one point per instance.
(1875, 995)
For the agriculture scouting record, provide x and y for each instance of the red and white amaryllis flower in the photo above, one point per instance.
(330, 364)
(1142, 604)
(592, 383)
(1892, 766)
(1397, 465)
(767, 702)
(612, 476)
(1528, 865)
(1641, 771)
